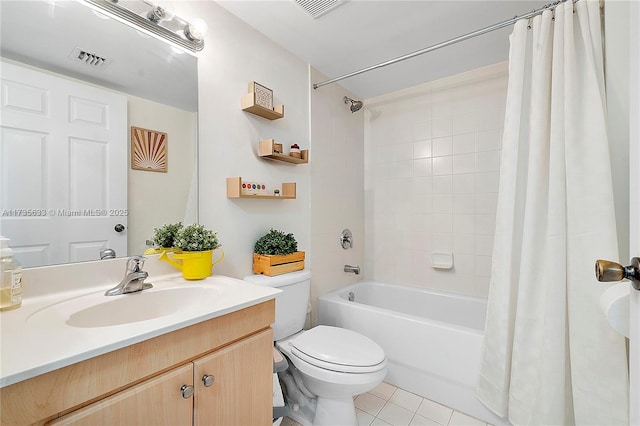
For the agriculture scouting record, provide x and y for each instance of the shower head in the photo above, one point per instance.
(355, 105)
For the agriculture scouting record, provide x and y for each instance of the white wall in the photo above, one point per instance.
(234, 55)
(432, 158)
(406, 131)
(148, 203)
(329, 188)
(337, 182)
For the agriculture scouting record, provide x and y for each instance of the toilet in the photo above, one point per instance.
(334, 364)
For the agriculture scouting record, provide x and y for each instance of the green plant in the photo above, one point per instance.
(276, 242)
(196, 238)
(165, 235)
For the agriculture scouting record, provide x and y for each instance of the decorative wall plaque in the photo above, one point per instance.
(264, 95)
(148, 150)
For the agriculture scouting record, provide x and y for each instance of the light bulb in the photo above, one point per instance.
(161, 11)
(196, 29)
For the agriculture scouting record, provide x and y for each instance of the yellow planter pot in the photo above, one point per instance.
(161, 250)
(195, 265)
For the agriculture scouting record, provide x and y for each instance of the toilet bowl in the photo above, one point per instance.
(334, 364)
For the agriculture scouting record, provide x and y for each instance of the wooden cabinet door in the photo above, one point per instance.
(157, 401)
(242, 382)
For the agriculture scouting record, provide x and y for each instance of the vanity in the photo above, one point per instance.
(181, 353)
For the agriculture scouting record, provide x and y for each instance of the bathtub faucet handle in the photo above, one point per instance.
(346, 239)
(354, 269)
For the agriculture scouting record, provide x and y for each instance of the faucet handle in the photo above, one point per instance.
(135, 263)
(107, 253)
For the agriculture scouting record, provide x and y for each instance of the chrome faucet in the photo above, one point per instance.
(107, 253)
(354, 269)
(133, 280)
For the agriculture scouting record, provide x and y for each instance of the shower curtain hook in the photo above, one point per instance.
(529, 24)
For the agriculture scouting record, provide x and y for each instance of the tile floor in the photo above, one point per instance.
(388, 405)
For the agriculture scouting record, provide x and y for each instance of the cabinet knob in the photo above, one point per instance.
(208, 380)
(187, 391)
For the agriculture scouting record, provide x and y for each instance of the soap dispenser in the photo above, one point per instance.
(11, 278)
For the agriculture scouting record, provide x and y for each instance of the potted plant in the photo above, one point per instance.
(277, 253)
(196, 245)
(164, 238)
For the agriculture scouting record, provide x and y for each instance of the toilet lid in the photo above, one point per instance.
(338, 349)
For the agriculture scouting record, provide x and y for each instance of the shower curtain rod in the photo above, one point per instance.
(455, 40)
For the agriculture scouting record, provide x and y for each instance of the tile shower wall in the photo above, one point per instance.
(432, 158)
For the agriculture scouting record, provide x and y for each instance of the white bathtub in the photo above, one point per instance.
(433, 341)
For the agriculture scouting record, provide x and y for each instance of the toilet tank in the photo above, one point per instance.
(291, 304)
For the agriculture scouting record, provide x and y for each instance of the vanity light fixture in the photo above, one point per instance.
(156, 19)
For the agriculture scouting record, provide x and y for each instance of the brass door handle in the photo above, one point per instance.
(607, 271)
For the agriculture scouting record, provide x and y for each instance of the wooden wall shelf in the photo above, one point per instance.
(234, 190)
(266, 150)
(248, 104)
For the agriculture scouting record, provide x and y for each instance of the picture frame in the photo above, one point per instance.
(264, 95)
(149, 150)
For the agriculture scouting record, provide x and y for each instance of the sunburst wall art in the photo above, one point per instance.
(148, 150)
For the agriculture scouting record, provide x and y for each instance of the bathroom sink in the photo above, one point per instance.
(97, 310)
(74, 321)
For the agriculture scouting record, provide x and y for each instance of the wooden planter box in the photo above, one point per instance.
(275, 265)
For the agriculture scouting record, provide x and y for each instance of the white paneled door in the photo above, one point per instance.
(63, 188)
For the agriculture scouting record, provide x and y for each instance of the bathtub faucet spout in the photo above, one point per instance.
(354, 269)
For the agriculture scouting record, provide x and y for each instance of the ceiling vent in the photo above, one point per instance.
(317, 8)
(88, 58)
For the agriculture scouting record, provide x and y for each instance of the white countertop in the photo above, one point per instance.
(33, 340)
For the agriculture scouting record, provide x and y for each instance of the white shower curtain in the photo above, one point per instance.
(550, 357)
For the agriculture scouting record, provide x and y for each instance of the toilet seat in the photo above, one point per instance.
(338, 349)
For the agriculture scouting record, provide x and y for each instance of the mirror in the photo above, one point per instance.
(158, 83)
